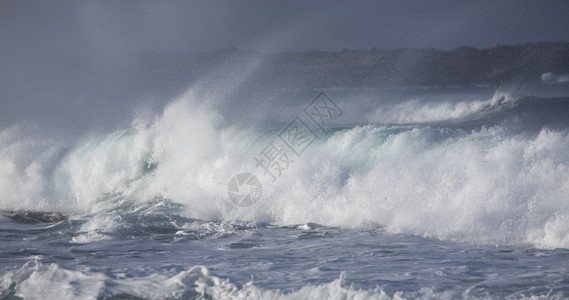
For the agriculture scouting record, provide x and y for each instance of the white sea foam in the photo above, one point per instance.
(486, 186)
(50, 281)
(416, 111)
(39, 281)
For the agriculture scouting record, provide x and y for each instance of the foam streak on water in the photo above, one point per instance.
(262, 261)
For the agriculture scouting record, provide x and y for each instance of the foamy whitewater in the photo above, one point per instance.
(429, 197)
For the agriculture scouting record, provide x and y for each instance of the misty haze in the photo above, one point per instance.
(284, 149)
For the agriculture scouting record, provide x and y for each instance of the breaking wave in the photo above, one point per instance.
(485, 185)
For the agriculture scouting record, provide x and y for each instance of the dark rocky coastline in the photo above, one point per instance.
(373, 68)
(420, 67)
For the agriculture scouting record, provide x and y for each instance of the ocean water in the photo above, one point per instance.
(431, 195)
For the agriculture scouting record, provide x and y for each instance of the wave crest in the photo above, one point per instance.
(486, 186)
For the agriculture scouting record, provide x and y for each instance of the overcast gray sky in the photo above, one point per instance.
(119, 26)
(65, 58)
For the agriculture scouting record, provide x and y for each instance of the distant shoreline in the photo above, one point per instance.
(428, 67)
(463, 66)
